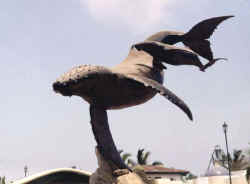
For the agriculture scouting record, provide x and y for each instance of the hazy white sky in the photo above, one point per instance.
(135, 16)
(42, 39)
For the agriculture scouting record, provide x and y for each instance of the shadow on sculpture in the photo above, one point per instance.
(137, 79)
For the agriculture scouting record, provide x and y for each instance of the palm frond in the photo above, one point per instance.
(157, 163)
(131, 163)
(125, 156)
(248, 174)
(145, 158)
(140, 156)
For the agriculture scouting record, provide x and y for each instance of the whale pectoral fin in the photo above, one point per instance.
(103, 137)
(170, 54)
(182, 56)
(164, 92)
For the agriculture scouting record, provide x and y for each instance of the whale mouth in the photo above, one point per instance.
(62, 88)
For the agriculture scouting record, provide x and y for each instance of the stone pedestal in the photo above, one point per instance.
(106, 175)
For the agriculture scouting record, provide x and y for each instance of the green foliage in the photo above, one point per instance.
(125, 156)
(2, 180)
(155, 163)
(189, 176)
(248, 150)
(237, 160)
(248, 174)
(142, 157)
(126, 159)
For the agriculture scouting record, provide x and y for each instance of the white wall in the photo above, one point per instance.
(236, 179)
(169, 176)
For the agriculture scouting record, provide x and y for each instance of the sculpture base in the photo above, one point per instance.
(106, 175)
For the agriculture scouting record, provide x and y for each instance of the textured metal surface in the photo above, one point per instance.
(102, 87)
(103, 137)
(170, 54)
(195, 38)
(136, 79)
(132, 82)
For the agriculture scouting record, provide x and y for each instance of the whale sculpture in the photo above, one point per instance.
(134, 81)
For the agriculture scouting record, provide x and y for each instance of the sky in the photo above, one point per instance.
(40, 40)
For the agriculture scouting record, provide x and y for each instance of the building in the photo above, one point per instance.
(158, 172)
(57, 176)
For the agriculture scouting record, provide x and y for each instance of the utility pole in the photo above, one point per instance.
(225, 128)
(25, 170)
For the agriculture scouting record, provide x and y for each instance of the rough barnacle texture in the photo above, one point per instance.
(83, 71)
(104, 175)
(103, 87)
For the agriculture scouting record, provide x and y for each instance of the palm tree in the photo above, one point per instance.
(189, 176)
(3, 180)
(237, 160)
(248, 150)
(157, 163)
(248, 175)
(142, 157)
(126, 159)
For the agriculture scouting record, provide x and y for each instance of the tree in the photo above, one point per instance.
(3, 180)
(25, 170)
(248, 175)
(155, 163)
(142, 158)
(248, 150)
(189, 176)
(237, 160)
(126, 159)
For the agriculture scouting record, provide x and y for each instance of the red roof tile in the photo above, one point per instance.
(161, 169)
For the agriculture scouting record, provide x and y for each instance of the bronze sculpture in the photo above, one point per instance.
(196, 38)
(132, 82)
